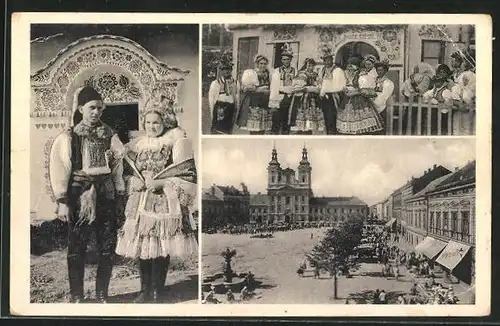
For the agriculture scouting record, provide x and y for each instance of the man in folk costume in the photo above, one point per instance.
(85, 169)
(332, 84)
(222, 99)
(280, 97)
(384, 88)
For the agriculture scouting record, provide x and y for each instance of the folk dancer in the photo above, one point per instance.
(357, 114)
(222, 100)
(281, 93)
(332, 83)
(254, 114)
(162, 189)
(384, 89)
(306, 116)
(85, 169)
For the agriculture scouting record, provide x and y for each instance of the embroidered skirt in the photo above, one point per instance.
(254, 112)
(153, 235)
(357, 115)
(306, 114)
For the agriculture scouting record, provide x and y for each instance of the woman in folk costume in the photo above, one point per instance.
(158, 224)
(419, 81)
(222, 99)
(280, 96)
(464, 92)
(369, 70)
(85, 170)
(306, 116)
(254, 114)
(442, 84)
(357, 114)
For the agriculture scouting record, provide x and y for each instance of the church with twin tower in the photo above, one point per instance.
(290, 197)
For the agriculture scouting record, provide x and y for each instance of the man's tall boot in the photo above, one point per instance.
(146, 273)
(160, 268)
(76, 270)
(103, 276)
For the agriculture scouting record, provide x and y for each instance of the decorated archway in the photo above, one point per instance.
(126, 75)
(119, 68)
(350, 49)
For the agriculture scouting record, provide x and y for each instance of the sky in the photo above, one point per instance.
(366, 168)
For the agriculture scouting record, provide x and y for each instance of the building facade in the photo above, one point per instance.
(290, 197)
(225, 204)
(440, 222)
(403, 45)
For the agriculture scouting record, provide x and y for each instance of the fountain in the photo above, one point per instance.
(228, 279)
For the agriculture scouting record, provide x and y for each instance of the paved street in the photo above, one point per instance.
(275, 261)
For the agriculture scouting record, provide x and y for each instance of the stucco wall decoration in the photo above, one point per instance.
(119, 68)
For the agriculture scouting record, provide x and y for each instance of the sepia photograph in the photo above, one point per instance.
(113, 169)
(352, 221)
(279, 165)
(338, 79)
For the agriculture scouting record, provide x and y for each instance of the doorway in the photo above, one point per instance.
(354, 49)
(123, 118)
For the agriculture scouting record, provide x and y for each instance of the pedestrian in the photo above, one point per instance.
(86, 176)
(375, 296)
(401, 300)
(382, 298)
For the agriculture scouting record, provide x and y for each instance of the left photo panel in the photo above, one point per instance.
(114, 131)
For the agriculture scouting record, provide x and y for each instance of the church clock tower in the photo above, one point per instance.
(304, 184)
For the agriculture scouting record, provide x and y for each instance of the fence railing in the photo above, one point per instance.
(414, 117)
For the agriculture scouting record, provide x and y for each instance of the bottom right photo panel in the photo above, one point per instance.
(339, 221)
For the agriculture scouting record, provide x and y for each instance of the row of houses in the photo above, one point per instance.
(435, 213)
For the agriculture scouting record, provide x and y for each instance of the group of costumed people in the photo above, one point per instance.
(151, 180)
(450, 87)
(334, 101)
(284, 100)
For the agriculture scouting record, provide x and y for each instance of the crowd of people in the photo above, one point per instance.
(262, 229)
(349, 99)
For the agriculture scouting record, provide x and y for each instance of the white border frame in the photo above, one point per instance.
(20, 169)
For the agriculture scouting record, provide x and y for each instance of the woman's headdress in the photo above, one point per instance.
(82, 96)
(260, 57)
(385, 63)
(286, 50)
(457, 55)
(356, 61)
(164, 108)
(370, 57)
(326, 52)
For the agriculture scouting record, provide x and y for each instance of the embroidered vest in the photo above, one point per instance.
(89, 151)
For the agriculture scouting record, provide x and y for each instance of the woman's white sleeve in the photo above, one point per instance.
(274, 96)
(213, 94)
(382, 98)
(118, 150)
(60, 165)
(249, 78)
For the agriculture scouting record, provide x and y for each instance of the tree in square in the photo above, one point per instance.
(336, 252)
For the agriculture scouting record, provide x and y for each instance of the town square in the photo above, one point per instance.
(288, 242)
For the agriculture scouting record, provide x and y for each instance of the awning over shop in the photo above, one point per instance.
(434, 249)
(390, 223)
(424, 245)
(453, 254)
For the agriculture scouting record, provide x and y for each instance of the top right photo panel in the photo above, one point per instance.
(303, 79)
